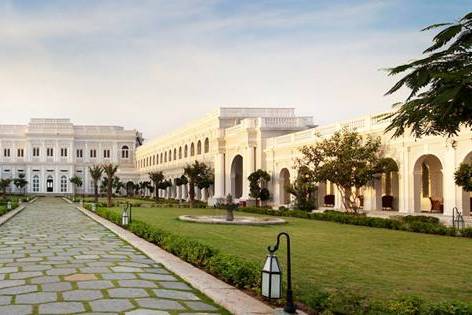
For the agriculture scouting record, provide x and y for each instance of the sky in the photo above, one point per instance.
(156, 65)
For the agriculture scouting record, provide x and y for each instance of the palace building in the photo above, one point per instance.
(235, 142)
(50, 151)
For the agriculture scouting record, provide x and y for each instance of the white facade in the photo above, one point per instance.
(237, 141)
(51, 151)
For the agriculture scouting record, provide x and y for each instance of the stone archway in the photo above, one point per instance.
(467, 195)
(237, 177)
(387, 190)
(428, 184)
(284, 182)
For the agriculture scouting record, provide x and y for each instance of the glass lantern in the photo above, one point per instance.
(271, 278)
(9, 205)
(125, 217)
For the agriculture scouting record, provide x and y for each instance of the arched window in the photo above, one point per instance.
(170, 155)
(157, 159)
(175, 154)
(180, 153)
(199, 147)
(124, 152)
(186, 151)
(165, 156)
(207, 145)
(192, 149)
(35, 183)
(153, 160)
(63, 184)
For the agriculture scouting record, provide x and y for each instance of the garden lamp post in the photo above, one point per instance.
(126, 214)
(9, 205)
(94, 207)
(272, 276)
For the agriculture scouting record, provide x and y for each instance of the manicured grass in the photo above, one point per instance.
(374, 262)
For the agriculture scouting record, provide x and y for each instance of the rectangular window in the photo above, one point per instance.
(50, 152)
(106, 154)
(63, 152)
(35, 151)
(93, 153)
(6, 152)
(21, 153)
(80, 153)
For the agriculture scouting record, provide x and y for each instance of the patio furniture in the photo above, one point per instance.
(329, 200)
(387, 202)
(437, 205)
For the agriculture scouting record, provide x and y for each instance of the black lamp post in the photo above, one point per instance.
(126, 214)
(272, 276)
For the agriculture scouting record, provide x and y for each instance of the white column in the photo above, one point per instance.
(179, 192)
(220, 175)
(448, 184)
(248, 168)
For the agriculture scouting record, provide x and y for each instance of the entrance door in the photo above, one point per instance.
(49, 184)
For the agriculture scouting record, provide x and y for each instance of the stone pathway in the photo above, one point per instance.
(55, 260)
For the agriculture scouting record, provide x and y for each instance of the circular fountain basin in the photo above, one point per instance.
(238, 220)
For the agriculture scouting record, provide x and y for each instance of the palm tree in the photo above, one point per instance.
(76, 182)
(110, 171)
(195, 173)
(4, 184)
(156, 178)
(96, 172)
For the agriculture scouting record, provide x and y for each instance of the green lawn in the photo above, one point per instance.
(376, 262)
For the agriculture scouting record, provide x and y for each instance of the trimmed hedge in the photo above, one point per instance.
(3, 207)
(232, 269)
(246, 274)
(418, 224)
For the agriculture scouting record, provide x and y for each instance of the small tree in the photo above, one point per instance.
(257, 185)
(110, 171)
(76, 182)
(463, 176)
(194, 174)
(347, 160)
(156, 178)
(164, 184)
(130, 186)
(96, 172)
(304, 189)
(20, 182)
(4, 184)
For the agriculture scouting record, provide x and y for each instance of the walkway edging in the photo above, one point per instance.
(232, 299)
(10, 214)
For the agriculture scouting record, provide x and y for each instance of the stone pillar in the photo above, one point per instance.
(248, 168)
(448, 184)
(220, 176)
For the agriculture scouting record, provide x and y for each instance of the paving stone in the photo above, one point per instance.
(99, 284)
(136, 283)
(16, 309)
(94, 270)
(45, 279)
(118, 276)
(36, 268)
(5, 300)
(111, 305)
(82, 295)
(80, 277)
(11, 283)
(145, 312)
(86, 257)
(174, 294)
(127, 293)
(8, 269)
(36, 298)
(61, 271)
(160, 304)
(19, 290)
(61, 308)
(200, 306)
(126, 269)
(175, 285)
(56, 286)
(25, 274)
(156, 276)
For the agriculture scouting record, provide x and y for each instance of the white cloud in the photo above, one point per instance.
(158, 65)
